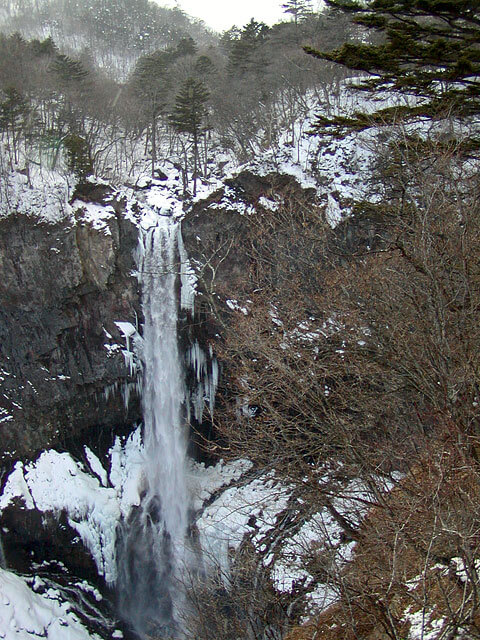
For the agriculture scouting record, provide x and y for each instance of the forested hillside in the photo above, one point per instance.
(313, 190)
(61, 98)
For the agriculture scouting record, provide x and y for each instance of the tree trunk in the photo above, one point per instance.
(195, 162)
(154, 144)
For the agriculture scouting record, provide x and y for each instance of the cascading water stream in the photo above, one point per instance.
(152, 545)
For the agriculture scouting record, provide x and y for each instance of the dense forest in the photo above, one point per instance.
(350, 346)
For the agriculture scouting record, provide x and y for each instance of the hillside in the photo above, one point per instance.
(114, 34)
(239, 361)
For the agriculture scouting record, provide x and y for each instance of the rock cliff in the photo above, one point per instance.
(63, 285)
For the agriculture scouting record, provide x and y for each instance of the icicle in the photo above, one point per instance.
(188, 278)
(213, 385)
(197, 360)
(110, 391)
(206, 381)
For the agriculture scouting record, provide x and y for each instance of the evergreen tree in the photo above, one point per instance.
(189, 116)
(46, 47)
(79, 157)
(72, 82)
(429, 49)
(69, 72)
(186, 47)
(244, 54)
(298, 9)
(14, 114)
(204, 67)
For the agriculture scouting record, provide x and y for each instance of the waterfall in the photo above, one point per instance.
(151, 552)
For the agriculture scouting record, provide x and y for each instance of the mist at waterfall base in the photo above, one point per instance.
(152, 545)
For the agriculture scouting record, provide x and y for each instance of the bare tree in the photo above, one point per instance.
(367, 352)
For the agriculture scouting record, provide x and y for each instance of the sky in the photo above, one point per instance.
(223, 14)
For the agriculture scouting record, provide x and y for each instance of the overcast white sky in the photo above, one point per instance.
(222, 14)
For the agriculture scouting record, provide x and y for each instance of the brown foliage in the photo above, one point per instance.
(370, 358)
(373, 359)
(403, 564)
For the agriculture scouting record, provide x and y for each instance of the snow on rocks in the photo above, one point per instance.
(232, 202)
(162, 201)
(57, 483)
(99, 217)
(322, 534)
(251, 508)
(25, 614)
(34, 191)
(96, 466)
(233, 305)
(423, 626)
(132, 352)
(206, 481)
(248, 509)
(126, 473)
(188, 278)
(339, 167)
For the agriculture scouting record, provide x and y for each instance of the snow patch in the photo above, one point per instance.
(97, 216)
(205, 481)
(249, 509)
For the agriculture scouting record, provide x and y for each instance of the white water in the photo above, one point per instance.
(152, 553)
(163, 395)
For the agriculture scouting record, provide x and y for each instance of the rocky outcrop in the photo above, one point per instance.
(63, 285)
(216, 229)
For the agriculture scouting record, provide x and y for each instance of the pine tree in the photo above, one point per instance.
(151, 82)
(186, 47)
(68, 71)
(429, 49)
(189, 116)
(72, 81)
(244, 56)
(204, 67)
(14, 114)
(79, 156)
(298, 9)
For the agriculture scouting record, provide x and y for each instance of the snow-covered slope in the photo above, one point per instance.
(25, 614)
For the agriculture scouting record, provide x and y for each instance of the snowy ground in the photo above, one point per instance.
(42, 193)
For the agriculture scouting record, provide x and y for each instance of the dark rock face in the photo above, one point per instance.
(217, 238)
(32, 538)
(364, 231)
(62, 287)
(215, 230)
